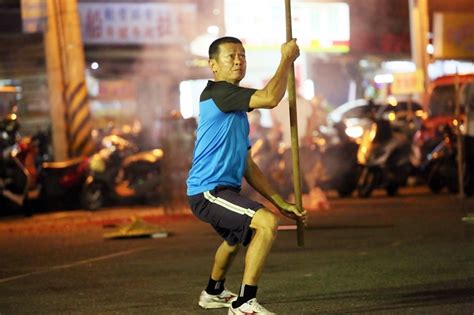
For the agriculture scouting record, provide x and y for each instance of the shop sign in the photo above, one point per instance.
(407, 83)
(453, 35)
(33, 15)
(137, 23)
(116, 90)
(319, 27)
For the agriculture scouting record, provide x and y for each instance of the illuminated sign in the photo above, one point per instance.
(137, 23)
(319, 27)
(33, 15)
(408, 83)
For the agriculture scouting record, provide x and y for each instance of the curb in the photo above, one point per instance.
(61, 221)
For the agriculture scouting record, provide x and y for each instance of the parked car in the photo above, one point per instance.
(439, 104)
(431, 140)
(440, 99)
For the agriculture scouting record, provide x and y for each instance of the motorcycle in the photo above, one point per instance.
(441, 166)
(336, 161)
(28, 180)
(61, 182)
(329, 162)
(119, 172)
(14, 177)
(384, 159)
(52, 184)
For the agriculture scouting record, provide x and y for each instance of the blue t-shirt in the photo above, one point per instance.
(222, 140)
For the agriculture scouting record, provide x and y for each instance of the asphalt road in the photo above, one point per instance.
(411, 254)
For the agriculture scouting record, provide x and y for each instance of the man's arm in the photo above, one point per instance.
(258, 181)
(273, 92)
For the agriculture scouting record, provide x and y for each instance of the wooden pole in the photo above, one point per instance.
(294, 130)
(459, 138)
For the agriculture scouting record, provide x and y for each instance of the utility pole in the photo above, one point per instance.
(69, 106)
(54, 69)
(78, 111)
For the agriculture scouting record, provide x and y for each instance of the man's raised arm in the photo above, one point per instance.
(271, 95)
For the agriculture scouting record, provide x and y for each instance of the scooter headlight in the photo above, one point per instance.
(354, 132)
(158, 153)
(362, 154)
(97, 164)
(372, 132)
(366, 144)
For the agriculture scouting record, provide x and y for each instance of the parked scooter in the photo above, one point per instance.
(28, 179)
(384, 159)
(440, 169)
(336, 162)
(118, 172)
(329, 163)
(61, 182)
(51, 184)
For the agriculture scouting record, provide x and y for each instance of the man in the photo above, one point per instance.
(221, 159)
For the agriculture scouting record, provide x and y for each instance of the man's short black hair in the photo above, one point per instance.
(214, 48)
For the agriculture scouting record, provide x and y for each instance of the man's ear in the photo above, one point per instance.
(213, 65)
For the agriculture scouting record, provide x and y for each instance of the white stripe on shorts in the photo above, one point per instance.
(228, 205)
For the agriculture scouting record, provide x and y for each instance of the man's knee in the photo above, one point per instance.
(266, 221)
(231, 249)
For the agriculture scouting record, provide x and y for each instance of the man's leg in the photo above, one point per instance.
(223, 259)
(215, 295)
(265, 224)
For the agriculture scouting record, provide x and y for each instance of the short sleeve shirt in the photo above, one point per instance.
(222, 139)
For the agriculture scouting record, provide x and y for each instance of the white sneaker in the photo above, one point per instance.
(250, 307)
(224, 299)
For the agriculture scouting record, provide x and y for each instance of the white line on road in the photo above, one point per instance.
(74, 264)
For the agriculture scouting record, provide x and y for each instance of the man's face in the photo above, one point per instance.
(230, 64)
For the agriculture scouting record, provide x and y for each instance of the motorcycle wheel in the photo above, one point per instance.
(453, 185)
(392, 189)
(14, 180)
(435, 181)
(93, 196)
(343, 193)
(367, 181)
(346, 189)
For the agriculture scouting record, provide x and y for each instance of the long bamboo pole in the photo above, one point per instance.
(459, 138)
(294, 130)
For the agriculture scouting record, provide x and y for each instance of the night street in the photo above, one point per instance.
(118, 117)
(411, 254)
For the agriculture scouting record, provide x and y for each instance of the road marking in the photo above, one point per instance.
(74, 264)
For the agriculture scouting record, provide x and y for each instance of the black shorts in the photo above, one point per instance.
(227, 212)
